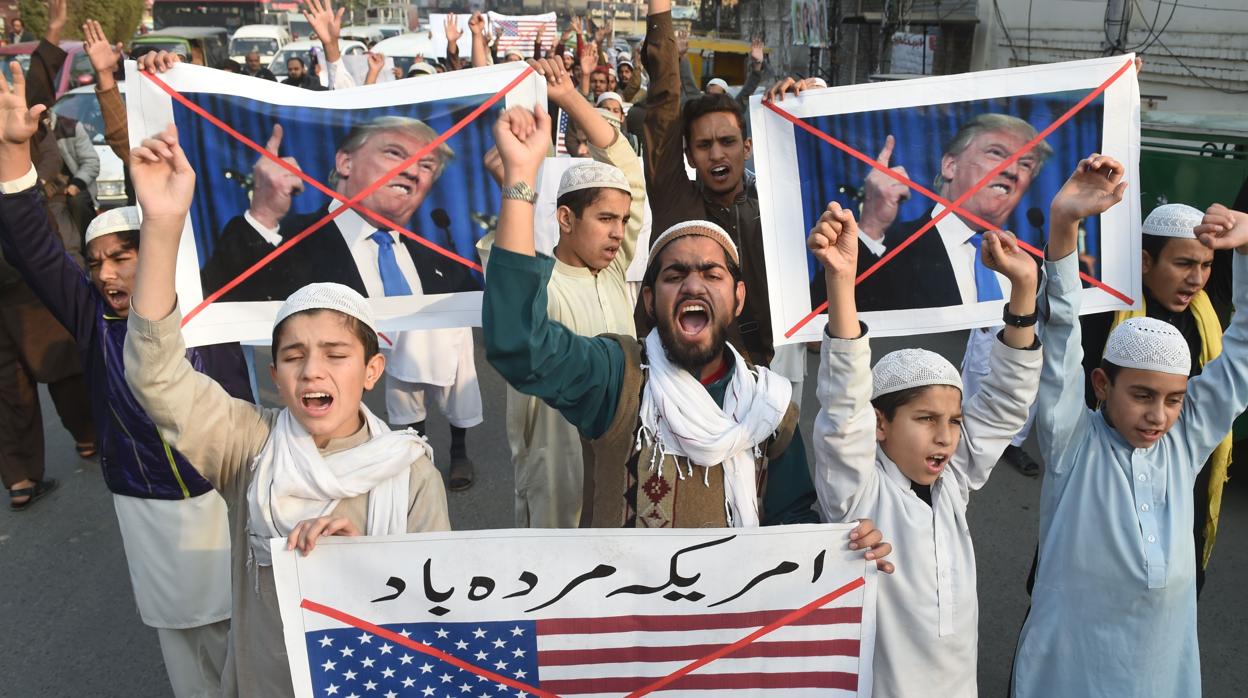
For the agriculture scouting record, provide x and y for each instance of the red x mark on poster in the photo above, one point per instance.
(787, 619)
(954, 206)
(352, 203)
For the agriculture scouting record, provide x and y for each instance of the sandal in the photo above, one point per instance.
(461, 474)
(32, 494)
(85, 450)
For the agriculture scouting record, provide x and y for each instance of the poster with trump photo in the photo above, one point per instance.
(927, 166)
(776, 611)
(381, 188)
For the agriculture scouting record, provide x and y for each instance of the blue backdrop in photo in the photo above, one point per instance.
(827, 174)
(312, 135)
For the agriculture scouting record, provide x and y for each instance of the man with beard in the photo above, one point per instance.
(699, 437)
(173, 525)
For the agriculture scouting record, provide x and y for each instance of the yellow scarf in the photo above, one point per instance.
(1220, 462)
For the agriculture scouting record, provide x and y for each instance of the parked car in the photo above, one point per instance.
(303, 49)
(81, 105)
(390, 30)
(76, 71)
(368, 35)
(206, 45)
(405, 47)
(267, 39)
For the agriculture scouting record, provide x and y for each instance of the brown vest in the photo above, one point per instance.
(622, 491)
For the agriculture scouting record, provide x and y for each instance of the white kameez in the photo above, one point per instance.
(1114, 604)
(928, 612)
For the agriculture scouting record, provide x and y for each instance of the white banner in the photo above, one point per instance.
(924, 279)
(232, 276)
(785, 610)
(437, 34)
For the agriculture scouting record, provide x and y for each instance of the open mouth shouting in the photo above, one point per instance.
(935, 463)
(692, 317)
(399, 187)
(316, 403)
(1002, 188)
(719, 174)
(117, 298)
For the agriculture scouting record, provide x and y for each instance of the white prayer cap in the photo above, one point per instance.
(912, 368)
(609, 95)
(592, 175)
(117, 220)
(421, 68)
(1149, 344)
(327, 296)
(1173, 221)
(703, 228)
(717, 81)
(624, 60)
(816, 83)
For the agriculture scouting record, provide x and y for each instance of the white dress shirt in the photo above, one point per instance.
(355, 232)
(270, 235)
(957, 238)
(927, 614)
(877, 247)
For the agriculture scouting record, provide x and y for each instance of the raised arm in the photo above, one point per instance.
(576, 375)
(844, 437)
(1220, 393)
(673, 197)
(753, 74)
(217, 433)
(29, 241)
(994, 414)
(1061, 414)
(104, 59)
(48, 58)
(480, 52)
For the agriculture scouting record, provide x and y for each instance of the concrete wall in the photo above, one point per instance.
(1213, 45)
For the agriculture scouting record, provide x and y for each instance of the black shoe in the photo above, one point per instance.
(1022, 462)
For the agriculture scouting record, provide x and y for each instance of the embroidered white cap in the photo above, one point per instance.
(609, 95)
(718, 81)
(592, 175)
(696, 227)
(1173, 221)
(116, 220)
(1149, 344)
(912, 368)
(327, 296)
(421, 68)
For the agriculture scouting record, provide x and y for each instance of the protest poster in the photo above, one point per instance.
(520, 32)
(994, 145)
(784, 610)
(242, 254)
(437, 35)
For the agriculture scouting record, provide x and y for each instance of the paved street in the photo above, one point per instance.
(71, 628)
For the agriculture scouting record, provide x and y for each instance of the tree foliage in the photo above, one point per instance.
(119, 18)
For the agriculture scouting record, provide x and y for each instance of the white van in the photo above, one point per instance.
(268, 39)
(369, 35)
(405, 47)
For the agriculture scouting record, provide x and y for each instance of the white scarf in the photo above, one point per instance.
(292, 482)
(679, 417)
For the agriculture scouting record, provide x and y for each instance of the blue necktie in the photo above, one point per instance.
(987, 288)
(391, 278)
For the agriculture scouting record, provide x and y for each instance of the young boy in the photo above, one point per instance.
(897, 445)
(1114, 603)
(173, 525)
(322, 465)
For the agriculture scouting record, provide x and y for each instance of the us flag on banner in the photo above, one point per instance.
(519, 32)
(802, 626)
(561, 133)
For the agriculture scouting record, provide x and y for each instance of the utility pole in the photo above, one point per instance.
(1117, 25)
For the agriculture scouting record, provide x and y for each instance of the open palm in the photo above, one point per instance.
(1095, 186)
(17, 121)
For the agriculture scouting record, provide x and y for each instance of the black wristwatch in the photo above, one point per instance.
(1017, 320)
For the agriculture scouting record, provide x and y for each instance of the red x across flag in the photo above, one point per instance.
(951, 206)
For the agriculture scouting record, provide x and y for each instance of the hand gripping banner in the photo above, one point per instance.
(995, 147)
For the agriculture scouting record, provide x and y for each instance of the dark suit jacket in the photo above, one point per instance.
(238, 248)
(866, 258)
(920, 276)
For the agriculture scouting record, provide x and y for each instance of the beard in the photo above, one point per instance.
(689, 356)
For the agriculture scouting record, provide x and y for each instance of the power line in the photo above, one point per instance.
(1009, 40)
(1191, 72)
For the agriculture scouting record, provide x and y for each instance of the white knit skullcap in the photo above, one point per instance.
(912, 368)
(609, 95)
(327, 296)
(817, 83)
(1149, 344)
(592, 175)
(624, 60)
(703, 228)
(718, 81)
(1173, 221)
(117, 220)
(421, 68)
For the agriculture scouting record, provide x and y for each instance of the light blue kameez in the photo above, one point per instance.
(1114, 606)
